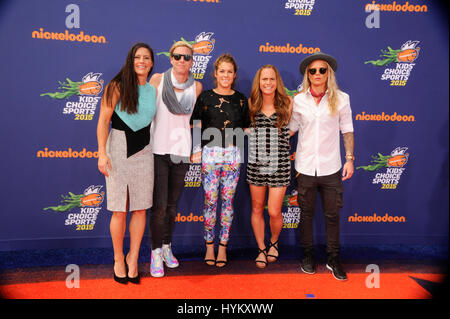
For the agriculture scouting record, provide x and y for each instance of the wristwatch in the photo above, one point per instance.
(349, 157)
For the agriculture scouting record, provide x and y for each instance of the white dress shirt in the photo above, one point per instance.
(318, 146)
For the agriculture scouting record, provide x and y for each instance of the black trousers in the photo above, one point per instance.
(169, 181)
(330, 189)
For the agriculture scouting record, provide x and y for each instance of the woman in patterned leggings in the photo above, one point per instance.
(223, 113)
(269, 164)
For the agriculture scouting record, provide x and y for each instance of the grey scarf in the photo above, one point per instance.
(184, 106)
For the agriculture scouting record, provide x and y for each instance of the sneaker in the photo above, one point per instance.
(168, 257)
(308, 265)
(336, 268)
(156, 266)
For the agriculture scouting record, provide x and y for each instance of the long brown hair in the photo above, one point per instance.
(126, 82)
(281, 100)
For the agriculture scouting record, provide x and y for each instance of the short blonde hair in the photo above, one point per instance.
(181, 44)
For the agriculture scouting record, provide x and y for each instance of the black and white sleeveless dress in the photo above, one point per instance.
(268, 154)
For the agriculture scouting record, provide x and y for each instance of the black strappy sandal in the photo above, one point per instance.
(261, 251)
(221, 262)
(208, 261)
(273, 256)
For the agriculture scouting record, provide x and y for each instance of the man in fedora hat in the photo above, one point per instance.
(320, 111)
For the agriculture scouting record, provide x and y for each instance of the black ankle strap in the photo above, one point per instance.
(273, 245)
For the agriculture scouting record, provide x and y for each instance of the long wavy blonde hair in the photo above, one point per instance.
(281, 100)
(332, 88)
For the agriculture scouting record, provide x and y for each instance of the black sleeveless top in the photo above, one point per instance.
(268, 155)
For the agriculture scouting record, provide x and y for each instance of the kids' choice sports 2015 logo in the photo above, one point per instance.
(394, 165)
(291, 216)
(193, 177)
(87, 90)
(403, 59)
(203, 45)
(83, 208)
(300, 7)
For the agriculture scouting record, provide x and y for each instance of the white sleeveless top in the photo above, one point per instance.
(171, 133)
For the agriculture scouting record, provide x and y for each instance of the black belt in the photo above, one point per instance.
(136, 141)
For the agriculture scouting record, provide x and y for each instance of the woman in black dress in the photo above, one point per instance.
(268, 161)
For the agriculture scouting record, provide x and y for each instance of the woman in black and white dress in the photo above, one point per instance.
(269, 165)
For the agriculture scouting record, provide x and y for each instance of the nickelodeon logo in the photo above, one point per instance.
(67, 36)
(394, 6)
(69, 153)
(89, 202)
(288, 48)
(188, 219)
(90, 85)
(384, 117)
(376, 219)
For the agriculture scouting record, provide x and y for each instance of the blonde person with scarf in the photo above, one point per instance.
(171, 144)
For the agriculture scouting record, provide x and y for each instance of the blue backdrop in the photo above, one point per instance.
(393, 63)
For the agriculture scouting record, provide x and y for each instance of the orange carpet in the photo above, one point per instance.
(226, 286)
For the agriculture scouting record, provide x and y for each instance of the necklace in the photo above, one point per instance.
(316, 95)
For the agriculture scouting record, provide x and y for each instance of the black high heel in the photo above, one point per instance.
(134, 280)
(121, 280)
(207, 261)
(221, 262)
(273, 256)
(261, 251)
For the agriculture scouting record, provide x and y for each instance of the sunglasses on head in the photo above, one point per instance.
(186, 57)
(321, 71)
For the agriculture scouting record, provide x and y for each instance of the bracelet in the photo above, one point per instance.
(197, 148)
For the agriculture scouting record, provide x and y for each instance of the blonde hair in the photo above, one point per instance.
(281, 100)
(181, 44)
(332, 87)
